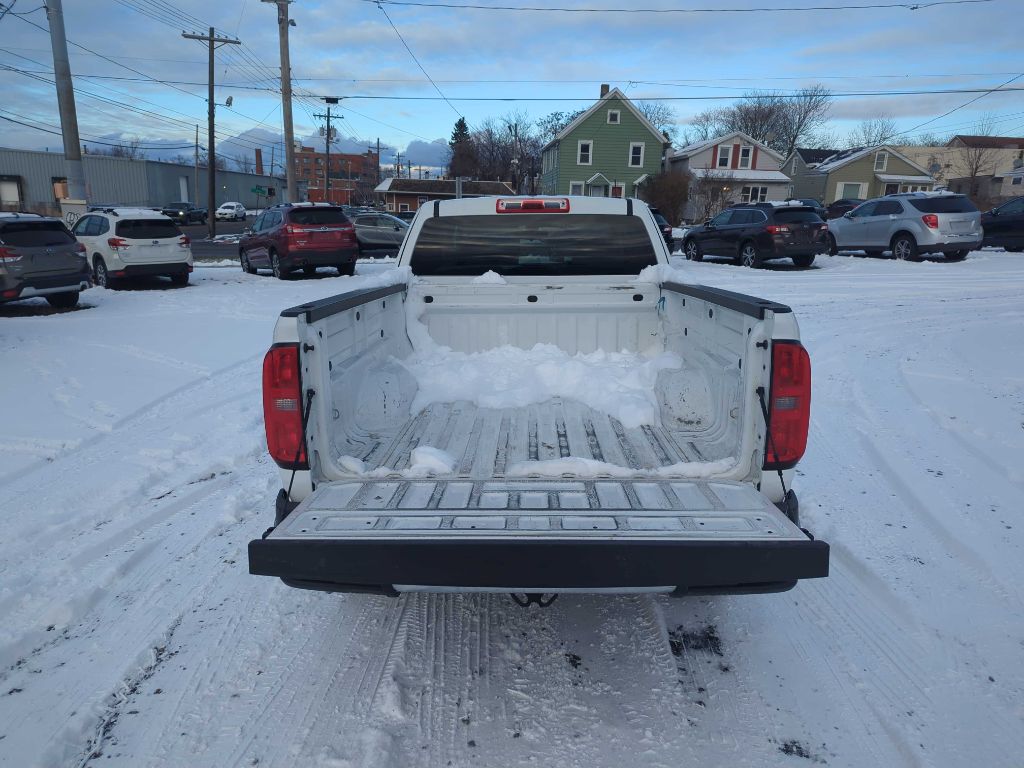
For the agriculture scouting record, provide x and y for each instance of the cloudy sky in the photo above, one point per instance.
(488, 62)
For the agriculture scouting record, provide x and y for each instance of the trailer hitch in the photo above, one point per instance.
(531, 598)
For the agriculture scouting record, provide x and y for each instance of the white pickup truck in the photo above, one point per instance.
(538, 404)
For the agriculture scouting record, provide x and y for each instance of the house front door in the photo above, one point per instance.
(598, 190)
(617, 190)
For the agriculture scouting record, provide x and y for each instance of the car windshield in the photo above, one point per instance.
(320, 216)
(533, 244)
(35, 234)
(178, 206)
(942, 204)
(795, 216)
(147, 229)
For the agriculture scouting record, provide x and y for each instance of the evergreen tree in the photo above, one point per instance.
(462, 154)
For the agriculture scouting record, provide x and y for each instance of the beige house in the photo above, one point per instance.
(861, 173)
(966, 156)
(741, 169)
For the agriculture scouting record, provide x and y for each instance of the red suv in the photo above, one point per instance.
(289, 237)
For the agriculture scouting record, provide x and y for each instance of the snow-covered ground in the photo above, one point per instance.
(133, 473)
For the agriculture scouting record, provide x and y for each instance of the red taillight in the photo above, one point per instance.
(291, 229)
(184, 241)
(532, 205)
(117, 242)
(80, 247)
(282, 407)
(789, 409)
(930, 220)
(8, 256)
(776, 229)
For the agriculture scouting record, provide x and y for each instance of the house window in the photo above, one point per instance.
(584, 150)
(1016, 181)
(724, 156)
(753, 194)
(881, 160)
(850, 191)
(575, 187)
(794, 166)
(636, 154)
(403, 206)
(613, 117)
(745, 155)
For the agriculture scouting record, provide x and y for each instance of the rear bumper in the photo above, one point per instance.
(15, 289)
(142, 270)
(318, 258)
(520, 565)
(949, 246)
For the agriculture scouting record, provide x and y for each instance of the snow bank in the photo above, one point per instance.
(490, 277)
(578, 466)
(661, 273)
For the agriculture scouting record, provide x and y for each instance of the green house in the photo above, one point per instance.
(608, 151)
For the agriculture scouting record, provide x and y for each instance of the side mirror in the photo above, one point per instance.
(848, 215)
(708, 223)
(992, 212)
(247, 231)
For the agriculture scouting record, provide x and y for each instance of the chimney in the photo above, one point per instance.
(259, 161)
(604, 90)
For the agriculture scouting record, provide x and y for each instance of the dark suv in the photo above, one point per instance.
(1005, 225)
(40, 257)
(663, 225)
(290, 237)
(757, 232)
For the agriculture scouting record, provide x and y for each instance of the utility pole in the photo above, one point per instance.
(195, 181)
(211, 41)
(283, 23)
(327, 146)
(408, 163)
(66, 102)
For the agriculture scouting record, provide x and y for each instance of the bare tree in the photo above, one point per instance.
(552, 124)
(669, 192)
(128, 149)
(782, 121)
(661, 116)
(710, 192)
(874, 132)
(244, 163)
(976, 161)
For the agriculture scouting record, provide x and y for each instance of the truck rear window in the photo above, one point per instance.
(533, 244)
(942, 204)
(35, 234)
(318, 216)
(796, 217)
(147, 229)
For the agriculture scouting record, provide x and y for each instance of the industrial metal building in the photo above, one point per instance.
(34, 181)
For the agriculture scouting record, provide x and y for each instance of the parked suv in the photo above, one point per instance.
(230, 212)
(39, 257)
(838, 207)
(664, 226)
(753, 233)
(909, 223)
(379, 230)
(290, 237)
(1005, 225)
(133, 242)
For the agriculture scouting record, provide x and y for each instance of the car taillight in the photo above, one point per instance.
(789, 410)
(117, 242)
(184, 241)
(776, 229)
(930, 220)
(291, 229)
(282, 407)
(8, 255)
(80, 247)
(532, 205)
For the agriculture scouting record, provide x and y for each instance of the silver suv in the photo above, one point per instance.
(908, 224)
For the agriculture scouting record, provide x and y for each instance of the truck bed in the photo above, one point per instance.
(487, 441)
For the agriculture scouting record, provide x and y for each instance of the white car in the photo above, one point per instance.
(230, 212)
(132, 242)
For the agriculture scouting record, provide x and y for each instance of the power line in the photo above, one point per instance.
(38, 127)
(968, 103)
(424, 71)
(767, 9)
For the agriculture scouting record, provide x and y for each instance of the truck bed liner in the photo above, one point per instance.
(487, 441)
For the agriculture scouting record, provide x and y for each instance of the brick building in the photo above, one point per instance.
(353, 177)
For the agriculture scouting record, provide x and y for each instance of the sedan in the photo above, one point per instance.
(379, 230)
(230, 212)
(1005, 225)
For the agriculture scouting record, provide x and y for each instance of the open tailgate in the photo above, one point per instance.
(538, 536)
